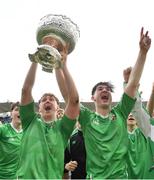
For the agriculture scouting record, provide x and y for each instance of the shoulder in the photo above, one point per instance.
(5, 126)
(85, 109)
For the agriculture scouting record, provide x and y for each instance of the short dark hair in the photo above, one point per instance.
(51, 95)
(13, 105)
(108, 84)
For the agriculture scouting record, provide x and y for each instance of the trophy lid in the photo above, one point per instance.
(60, 25)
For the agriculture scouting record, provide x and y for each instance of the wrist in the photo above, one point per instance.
(143, 52)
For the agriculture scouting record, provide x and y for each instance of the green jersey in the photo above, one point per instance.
(141, 144)
(149, 174)
(43, 144)
(137, 150)
(10, 141)
(106, 140)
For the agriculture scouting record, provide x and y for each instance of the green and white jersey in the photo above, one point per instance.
(142, 116)
(137, 149)
(106, 140)
(10, 141)
(149, 174)
(43, 144)
(141, 144)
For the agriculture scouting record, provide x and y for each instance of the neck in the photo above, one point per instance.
(17, 126)
(49, 118)
(103, 111)
(131, 128)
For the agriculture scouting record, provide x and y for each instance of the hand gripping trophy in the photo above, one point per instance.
(53, 33)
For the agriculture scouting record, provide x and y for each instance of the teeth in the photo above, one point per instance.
(131, 119)
(47, 108)
(104, 97)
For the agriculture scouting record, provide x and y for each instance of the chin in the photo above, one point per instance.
(105, 105)
(48, 112)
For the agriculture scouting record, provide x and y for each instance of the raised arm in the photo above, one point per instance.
(67, 87)
(150, 103)
(126, 74)
(26, 96)
(138, 111)
(136, 72)
(61, 83)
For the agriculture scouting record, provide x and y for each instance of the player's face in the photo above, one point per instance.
(15, 114)
(48, 104)
(131, 120)
(102, 95)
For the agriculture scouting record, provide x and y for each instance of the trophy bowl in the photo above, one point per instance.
(54, 31)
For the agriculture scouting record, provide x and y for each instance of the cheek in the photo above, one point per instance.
(17, 114)
(56, 107)
(40, 109)
(110, 98)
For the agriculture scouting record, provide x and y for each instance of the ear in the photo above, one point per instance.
(39, 108)
(93, 98)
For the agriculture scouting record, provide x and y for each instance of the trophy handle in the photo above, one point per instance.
(48, 57)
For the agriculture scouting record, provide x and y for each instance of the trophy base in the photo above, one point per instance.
(48, 57)
(49, 70)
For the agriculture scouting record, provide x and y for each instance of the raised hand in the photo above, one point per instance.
(145, 41)
(64, 53)
(60, 113)
(126, 74)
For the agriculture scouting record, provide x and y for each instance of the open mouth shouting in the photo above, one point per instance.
(131, 119)
(48, 107)
(105, 98)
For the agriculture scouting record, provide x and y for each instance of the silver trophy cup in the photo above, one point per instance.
(53, 33)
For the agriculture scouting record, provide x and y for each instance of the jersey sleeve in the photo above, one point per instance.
(125, 105)
(83, 116)
(1, 129)
(27, 114)
(152, 130)
(66, 127)
(142, 117)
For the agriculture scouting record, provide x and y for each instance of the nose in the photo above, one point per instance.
(104, 89)
(47, 101)
(130, 114)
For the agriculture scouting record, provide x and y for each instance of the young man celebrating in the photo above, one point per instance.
(10, 135)
(140, 135)
(45, 137)
(105, 131)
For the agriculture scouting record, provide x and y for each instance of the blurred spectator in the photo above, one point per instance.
(5, 117)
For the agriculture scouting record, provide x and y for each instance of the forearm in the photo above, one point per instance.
(150, 104)
(138, 68)
(30, 78)
(61, 83)
(28, 84)
(72, 90)
(135, 75)
(142, 117)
